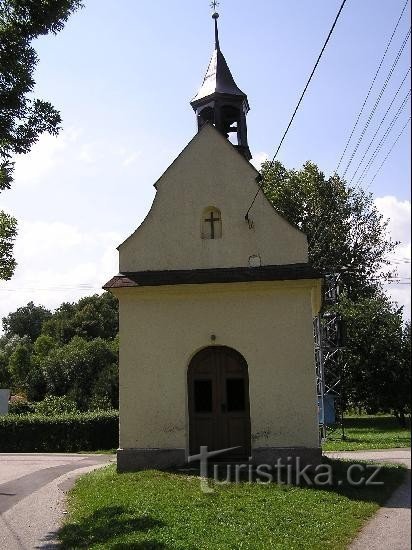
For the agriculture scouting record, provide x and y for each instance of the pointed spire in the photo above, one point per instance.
(218, 78)
(220, 101)
(216, 17)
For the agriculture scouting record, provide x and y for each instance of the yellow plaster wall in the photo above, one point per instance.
(210, 172)
(269, 323)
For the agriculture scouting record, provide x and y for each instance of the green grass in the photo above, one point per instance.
(155, 510)
(369, 432)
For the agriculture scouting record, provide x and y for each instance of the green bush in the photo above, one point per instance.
(55, 406)
(21, 407)
(63, 433)
(100, 403)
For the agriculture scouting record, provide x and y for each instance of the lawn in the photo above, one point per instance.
(369, 432)
(155, 510)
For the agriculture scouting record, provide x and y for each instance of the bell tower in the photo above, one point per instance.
(220, 102)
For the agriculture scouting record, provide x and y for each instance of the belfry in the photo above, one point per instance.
(215, 312)
(220, 102)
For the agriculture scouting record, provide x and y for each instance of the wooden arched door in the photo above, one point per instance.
(219, 413)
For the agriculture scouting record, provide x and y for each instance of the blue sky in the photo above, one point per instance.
(122, 75)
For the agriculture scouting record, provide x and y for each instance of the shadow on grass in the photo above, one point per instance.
(344, 480)
(376, 488)
(106, 524)
(376, 424)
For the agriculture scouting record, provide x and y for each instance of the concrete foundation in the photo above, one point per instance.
(294, 456)
(130, 460)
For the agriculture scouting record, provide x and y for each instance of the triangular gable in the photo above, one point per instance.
(210, 172)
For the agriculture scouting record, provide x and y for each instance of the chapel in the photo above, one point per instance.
(216, 307)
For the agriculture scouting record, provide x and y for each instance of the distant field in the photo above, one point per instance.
(369, 432)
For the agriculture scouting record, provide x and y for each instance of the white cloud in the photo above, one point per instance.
(53, 153)
(38, 239)
(258, 158)
(90, 153)
(46, 154)
(97, 151)
(130, 158)
(58, 262)
(399, 214)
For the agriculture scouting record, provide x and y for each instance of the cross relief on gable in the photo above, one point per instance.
(211, 223)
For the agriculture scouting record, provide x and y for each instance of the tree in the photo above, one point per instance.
(8, 231)
(5, 377)
(8, 346)
(376, 352)
(91, 317)
(43, 346)
(36, 382)
(20, 365)
(82, 369)
(59, 326)
(36, 387)
(345, 231)
(26, 321)
(71, 351)
(22, 118)
(346, 234)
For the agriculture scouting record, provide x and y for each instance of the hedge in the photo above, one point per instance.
(64, 433)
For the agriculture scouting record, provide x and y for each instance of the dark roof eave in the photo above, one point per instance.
(196, 101)
(290, 272)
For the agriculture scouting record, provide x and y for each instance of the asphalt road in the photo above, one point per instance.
(32, 495)
(390, 527)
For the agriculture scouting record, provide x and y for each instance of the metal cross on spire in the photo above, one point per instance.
(214, 5)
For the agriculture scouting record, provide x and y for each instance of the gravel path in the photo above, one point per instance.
(32, 495)
(390, 528)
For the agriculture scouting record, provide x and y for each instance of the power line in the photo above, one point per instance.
(380, 125)
(372, 84)
(299, 102)
(372, 113)
(369, 164)
(392, 278)
(366, 168)
(399, 262)
(383, 139)
(400, 259)
(388, 280)
(383, 162)
(323, 216)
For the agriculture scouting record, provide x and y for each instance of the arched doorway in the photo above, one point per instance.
(219, 413)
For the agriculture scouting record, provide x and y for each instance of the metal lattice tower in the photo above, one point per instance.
(329, 358)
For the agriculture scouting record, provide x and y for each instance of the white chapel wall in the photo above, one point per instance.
(269, 323)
